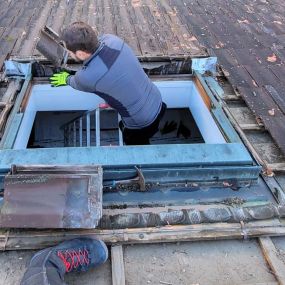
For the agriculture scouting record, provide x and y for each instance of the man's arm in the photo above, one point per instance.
(82, 80)
(87, 78)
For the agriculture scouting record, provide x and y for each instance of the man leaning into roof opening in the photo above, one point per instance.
(112, 71)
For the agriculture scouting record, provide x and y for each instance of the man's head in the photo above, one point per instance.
(81, 40)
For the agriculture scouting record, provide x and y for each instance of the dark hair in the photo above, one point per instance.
(80, 36)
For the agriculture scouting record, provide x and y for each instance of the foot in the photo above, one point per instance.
(81, 254)
(73, 255)
(49, 265)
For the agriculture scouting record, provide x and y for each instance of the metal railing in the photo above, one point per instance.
(85, 130)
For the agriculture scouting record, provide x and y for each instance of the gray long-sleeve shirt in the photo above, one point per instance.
(114, 73)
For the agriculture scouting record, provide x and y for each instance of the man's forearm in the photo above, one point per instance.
(71, 81)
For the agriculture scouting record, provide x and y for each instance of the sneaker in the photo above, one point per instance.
(49, 265)
(81, 254)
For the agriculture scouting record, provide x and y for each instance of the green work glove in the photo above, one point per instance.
(59, 79)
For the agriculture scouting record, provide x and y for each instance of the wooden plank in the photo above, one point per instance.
(2, 30)
(13, 131)
(79, 169)
(3, 117)
(244, 56)
(269, 151)
(276, 127)
(231, 97)
(18, 240)
(237, 41)
(252, 127)
(218, 28)
(203, 93)
(278, 167)
(38, 22)
(24, 11)
(278, 70)
(263, 55)
(105, 24)
(124, 26)
(170, 31)
(275, 188)
(4, 239)
(261, 74)
(11, 91)
(271, 255)
(77, 12)
(260, 102)
(278, 97)
(263, 106)
(195, 8)
(280, 52)
(5, 8)
(226, 58)
(7, 17)
(147, 40)
(57, 15)
(9, 39)
(27, 12)
(2, 59)
(92, 15)
(158, 23)
(242, 113)
(244, 137)
(266, 39)
(68, 12)
(155, 26)
(118, 268)
(267, 283)
(239, 77)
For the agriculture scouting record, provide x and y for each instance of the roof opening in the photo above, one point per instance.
(70, 129)
(46, 130)
(56, 117)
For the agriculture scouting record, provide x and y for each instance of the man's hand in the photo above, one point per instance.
(59, 79)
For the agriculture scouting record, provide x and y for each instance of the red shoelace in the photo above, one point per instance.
(73, 258)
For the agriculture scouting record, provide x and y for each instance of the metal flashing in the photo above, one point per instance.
(194, 154)
(14, 69)
(203, 65)
(49, 45)
(52, 200)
